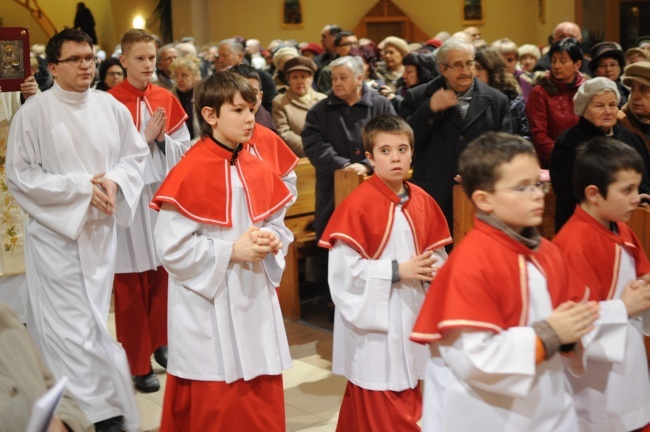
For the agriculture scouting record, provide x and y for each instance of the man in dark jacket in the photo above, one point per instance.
(446, 115)
(332, 133)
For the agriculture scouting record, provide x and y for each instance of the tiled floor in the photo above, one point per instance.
(312, 394)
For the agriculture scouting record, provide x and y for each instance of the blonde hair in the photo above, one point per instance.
(505, 46)
(189, 62)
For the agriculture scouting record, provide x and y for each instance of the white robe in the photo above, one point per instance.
(613, 394)
(136, 249)
(374, 317)
(225, 322)
(489, 382)
(58, 141)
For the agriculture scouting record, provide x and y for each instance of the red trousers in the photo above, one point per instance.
(256, 405)
(141, 315)
(379, 411)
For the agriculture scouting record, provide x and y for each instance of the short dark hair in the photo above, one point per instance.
(341, 35)
(107, 64)
(334, 29)
(569, 45)
(247, 71)
(479, 164)
(53, 48)
(425, 64)
(384, 123)
(599, 160)
(218, 89)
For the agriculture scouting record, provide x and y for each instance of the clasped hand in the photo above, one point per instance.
(254, 244)
(104, 193)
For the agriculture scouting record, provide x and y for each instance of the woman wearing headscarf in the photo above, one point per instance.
(596, 104)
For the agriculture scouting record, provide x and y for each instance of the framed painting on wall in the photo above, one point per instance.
(473, 12)
(292, 16)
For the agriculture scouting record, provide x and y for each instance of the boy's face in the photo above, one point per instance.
(622, 198)
(139, 62)
(515, 200)
(258, 92)
(391, 158)
(235, 122)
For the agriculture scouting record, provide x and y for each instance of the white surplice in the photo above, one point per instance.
(613, 394)
(374, 317)
(482, 381)
(225, 321)
(58, 141)
(136, 249)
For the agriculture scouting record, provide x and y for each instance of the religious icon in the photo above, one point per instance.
(473, 12)
(14, 57)
(11, 65)
(291, 13)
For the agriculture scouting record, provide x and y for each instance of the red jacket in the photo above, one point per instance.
(550, 112)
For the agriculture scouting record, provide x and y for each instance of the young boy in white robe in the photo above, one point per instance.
(503, 306)
(221, 236)
(613, 395)
(386, 243)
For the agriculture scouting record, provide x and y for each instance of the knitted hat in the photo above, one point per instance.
(589, 89)
(282, 52)
(299, 63)
(605, 50)
(639, 72)
(398, 43)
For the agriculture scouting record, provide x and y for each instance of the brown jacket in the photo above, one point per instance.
(24, 378)
(629, 121)
(289, 114)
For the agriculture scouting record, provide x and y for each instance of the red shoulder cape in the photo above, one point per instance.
(269, 147)
(594, 252)
(364, 220)
(484, 285)
(199, 185)
(153, 97)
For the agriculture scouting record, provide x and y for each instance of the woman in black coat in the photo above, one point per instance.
(596, 102)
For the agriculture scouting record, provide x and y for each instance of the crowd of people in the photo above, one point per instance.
(160, 175)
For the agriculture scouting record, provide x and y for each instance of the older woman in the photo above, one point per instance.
(394, 50)
(280, 57)
(608, 60)
(290, 109)
(491, 69)
(111, 73)
(528, 57)
(596, 102)
(186, 73)
(368, 53)
(420, 67)
(550, 105)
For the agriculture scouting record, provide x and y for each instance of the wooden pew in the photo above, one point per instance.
(298, 219)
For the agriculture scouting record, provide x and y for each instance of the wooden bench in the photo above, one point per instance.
(298, 219)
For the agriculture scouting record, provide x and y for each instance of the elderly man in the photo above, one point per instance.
(332, 134)
(231, 53)
(75, 164)
(635, 115)
(327, 36)
(563, 30)
(166, 55)
(446, 115)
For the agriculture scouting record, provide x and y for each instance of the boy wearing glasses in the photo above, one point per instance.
(378, 275)
(614, 393)
(140, 280)
(502, 308)
(75, 164)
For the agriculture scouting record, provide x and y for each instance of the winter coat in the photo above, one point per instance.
(289, 114)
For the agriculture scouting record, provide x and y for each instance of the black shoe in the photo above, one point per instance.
(146, 383)
(115, 424)
(161, 356)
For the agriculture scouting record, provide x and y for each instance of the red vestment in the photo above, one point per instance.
(153, 97)
(364, 220)
(484, 285)
(269, 147)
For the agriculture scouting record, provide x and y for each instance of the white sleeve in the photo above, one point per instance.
(502, 363)
(58, 201)
(274, 264)
(606, 342)
(290, 181)
(360, 288)
(176, 145)
(197, 262)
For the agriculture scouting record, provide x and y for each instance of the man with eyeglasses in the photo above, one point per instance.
(343, 43)
(446, 115)
(75, 164)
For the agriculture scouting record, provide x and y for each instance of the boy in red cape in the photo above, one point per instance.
(503, 306)
(140, 281)
(221, 236)
(386, 242)
(614, 393)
